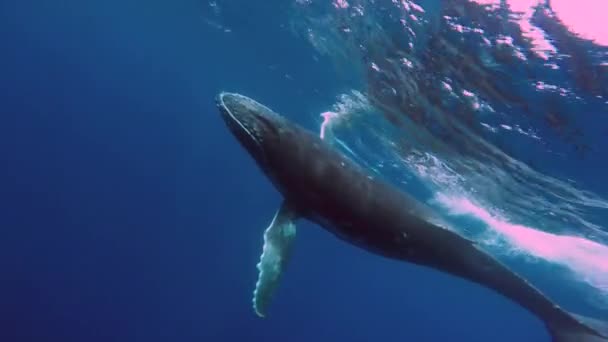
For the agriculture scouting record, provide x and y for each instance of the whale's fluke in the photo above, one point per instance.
(588, 330)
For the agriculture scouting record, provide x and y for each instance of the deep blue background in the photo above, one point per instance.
(130, 214)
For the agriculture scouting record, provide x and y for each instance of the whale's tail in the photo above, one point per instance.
(582, 329)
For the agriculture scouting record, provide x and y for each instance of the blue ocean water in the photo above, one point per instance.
(131, 214)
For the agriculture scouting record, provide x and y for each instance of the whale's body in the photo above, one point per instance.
(322, 185)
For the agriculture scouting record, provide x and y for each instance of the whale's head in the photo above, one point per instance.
(256, 127)
(297, 161)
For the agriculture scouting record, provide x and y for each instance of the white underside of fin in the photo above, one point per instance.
(278, 239)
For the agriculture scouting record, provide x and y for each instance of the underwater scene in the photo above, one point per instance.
(304, 170)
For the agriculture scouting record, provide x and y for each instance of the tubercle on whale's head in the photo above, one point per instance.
(255, 126)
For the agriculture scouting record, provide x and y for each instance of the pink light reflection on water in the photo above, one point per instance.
(583, 17)
(327, 117)
(587, 258)
(341, 4)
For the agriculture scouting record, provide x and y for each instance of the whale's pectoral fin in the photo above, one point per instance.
(278, 239)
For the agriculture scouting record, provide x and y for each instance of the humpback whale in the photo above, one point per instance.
(321, 184)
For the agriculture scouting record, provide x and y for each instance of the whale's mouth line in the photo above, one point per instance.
(244, 127)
